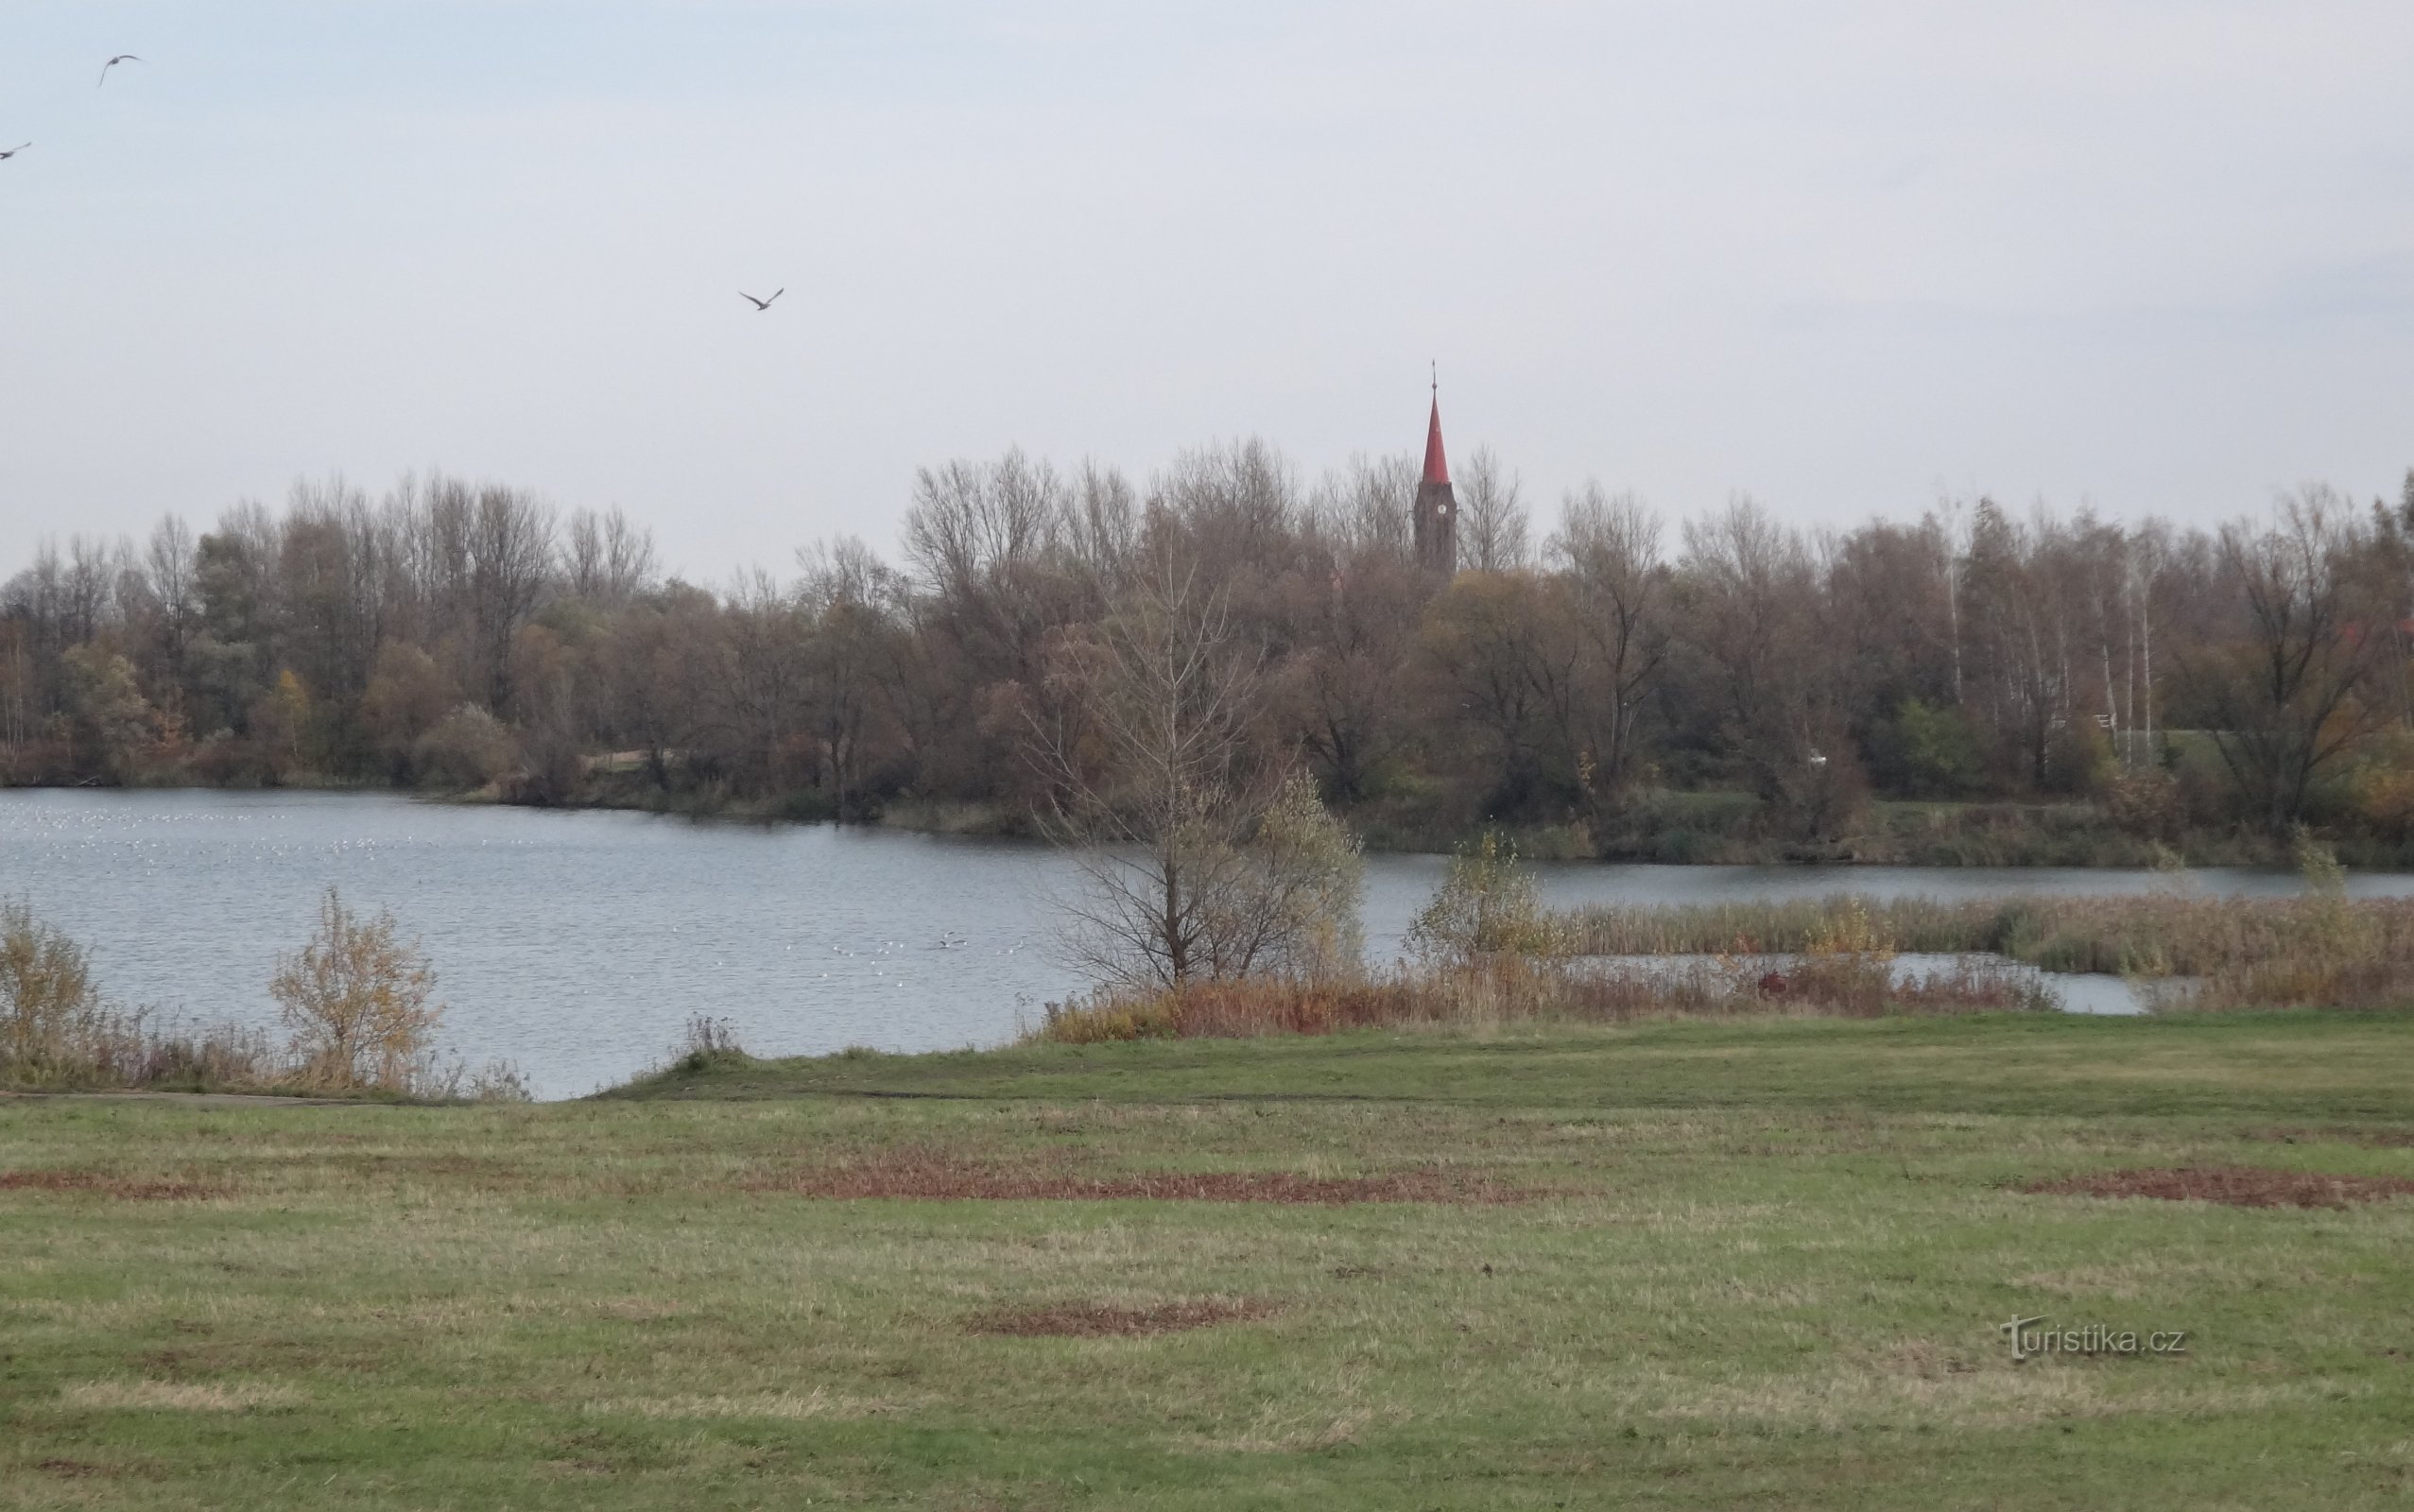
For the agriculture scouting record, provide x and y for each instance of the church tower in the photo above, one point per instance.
(1436, 517)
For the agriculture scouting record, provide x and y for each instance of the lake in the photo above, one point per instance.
(577, 944)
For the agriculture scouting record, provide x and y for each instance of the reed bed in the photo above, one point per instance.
(2322, 949)
(137, 1050)
(1523, 990)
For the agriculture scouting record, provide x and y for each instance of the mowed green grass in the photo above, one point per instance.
(1754, 1264)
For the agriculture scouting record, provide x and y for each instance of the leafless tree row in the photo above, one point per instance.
(458, 633)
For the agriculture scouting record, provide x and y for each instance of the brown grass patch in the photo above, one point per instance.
(1529, 988)
(173, 1396)
(787, 1405)
(2236, 1186)
(124, 1189)
(942, 1179)
(1098, 1320)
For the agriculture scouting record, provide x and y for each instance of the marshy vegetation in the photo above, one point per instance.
(2320, 949)
(1486, 953)
(356, 1002)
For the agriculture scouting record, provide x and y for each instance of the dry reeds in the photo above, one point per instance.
(2294, 949)
(1510, 990)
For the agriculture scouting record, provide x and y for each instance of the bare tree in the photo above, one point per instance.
(2284, 698)
(1754, 601)
(1365, 508)
(1609, 549)
(168, 559)
(845, 596)
(1226, 510)
(1102, 528)
(606, 559)
(1193, 866)
(1349, 623)
(1502, 650)
(511, 544)
(1494, 531)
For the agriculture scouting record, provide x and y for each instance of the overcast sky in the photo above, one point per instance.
(1846, 256)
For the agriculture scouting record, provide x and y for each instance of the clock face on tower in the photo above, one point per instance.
(1441, 511)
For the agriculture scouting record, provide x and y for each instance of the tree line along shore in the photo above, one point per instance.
(1981, 685)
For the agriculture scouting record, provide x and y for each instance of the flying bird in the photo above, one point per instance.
(762, 304)
(121, 57)
(14, 150)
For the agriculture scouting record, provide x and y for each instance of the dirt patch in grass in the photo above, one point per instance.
(2238, 1186)
(1098, 1320)
(942, 1179)
(124, 1189)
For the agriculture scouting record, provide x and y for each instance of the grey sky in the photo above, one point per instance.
(1844, 256)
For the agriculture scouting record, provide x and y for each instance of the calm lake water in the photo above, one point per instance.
(578, 944)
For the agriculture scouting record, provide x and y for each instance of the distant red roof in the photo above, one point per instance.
(1436, 466)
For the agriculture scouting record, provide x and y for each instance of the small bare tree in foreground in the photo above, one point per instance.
(356, 1000)
(1200, 858)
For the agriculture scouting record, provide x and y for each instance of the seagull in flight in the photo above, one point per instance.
(761, 306)
(121, 57)
(14, 150)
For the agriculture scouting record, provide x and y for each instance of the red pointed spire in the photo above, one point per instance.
(1436, 466)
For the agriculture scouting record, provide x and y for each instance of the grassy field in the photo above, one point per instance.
(1669, 1265)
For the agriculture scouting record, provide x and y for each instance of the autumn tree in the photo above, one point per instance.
(356, 1000)
(111, 721)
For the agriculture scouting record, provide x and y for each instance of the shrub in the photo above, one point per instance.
(499, 1081)
(1487, 906)
(1307, 877)
(1936, 751)
(2147, 804)
(355, 999)
(706, 1041)
(49, 1009)
(1847, 961)
(469, 748)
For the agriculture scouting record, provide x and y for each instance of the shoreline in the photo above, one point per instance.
(1655, 832)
